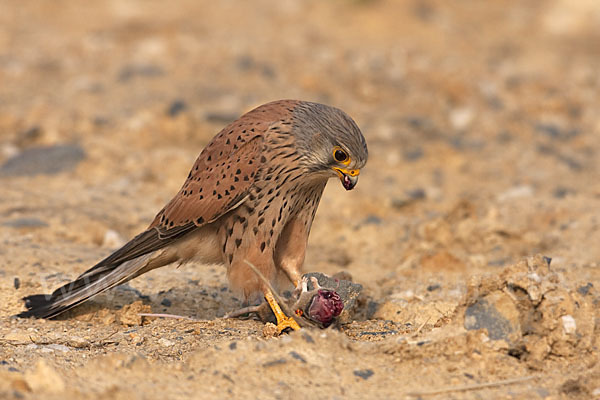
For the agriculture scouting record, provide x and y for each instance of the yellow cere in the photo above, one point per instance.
(344, 171)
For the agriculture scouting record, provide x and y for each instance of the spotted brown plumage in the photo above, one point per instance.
(251, 196)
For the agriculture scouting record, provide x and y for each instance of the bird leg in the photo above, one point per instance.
(283, 321)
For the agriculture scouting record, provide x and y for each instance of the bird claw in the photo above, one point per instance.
(285, 323)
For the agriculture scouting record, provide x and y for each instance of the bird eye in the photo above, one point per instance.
(340, 155)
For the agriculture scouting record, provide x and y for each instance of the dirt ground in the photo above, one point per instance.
(484, 137)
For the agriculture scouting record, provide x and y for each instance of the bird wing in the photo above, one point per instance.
(219, 181)
(225, 171)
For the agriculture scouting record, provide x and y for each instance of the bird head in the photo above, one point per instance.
(330, 142)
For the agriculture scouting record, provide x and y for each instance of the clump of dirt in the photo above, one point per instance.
(530, 311)
(483, 144)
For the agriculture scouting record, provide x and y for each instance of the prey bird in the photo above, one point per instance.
(251, 196)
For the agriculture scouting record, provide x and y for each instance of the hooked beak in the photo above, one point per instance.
(349, 177)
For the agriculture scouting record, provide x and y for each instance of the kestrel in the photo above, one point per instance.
(251, 196)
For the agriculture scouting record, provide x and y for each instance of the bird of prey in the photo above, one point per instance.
(251, 196)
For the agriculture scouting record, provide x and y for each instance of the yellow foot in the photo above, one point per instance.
(283, 321)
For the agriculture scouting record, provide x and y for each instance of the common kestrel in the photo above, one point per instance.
(251, 196)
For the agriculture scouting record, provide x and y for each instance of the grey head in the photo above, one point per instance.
(330, 142)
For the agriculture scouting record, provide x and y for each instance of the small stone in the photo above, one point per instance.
(112, 239)
(131, 71)
(569, 324)
(307, 338)
(44, 160)
(496, 313)
(373, 220)
(25, 223)
(77, 342)
(461, 118)
(413, 154)
(165, 342)
(166, 302)
(298, 357)
(17, 336)
(16, 283)
(516, 192)
(364, 373)
(176, 108)
(584, 290)
(58, 347)
(273, 363)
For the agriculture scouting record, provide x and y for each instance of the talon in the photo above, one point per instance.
(283, 321)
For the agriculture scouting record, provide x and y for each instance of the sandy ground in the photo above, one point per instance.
(483, 130)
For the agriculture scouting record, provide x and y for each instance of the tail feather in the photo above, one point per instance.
(81, 289)
(143, 253)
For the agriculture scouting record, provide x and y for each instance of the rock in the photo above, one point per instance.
(516, 192)
(166, 302)
(18, 336)
(58, 347)
(31, 222)
(569, 324)
(584, 290)
(413, 154)
(497, 314)
(165, 342)
(44, 160)
(112, 239)
(131, 71)
(364, 373)
(554, 131)
(44, 379)
(461, 118)
(78, 342)
(176, 108)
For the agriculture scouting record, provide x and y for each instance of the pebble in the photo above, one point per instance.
(166, 302)
(516, 192)
(44, 160)
(364, 373)
(497, 314)
(78, 342)
(176, 108)
(59, 347)
(112, 239)
(569, 324)
(131, 71)
(461, 118)
(165, 342)
(26, 222)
